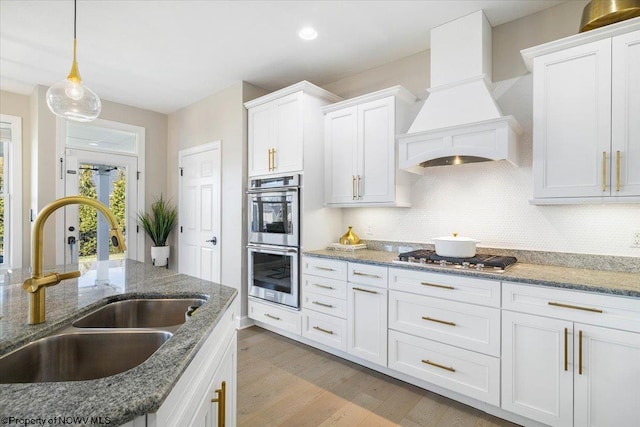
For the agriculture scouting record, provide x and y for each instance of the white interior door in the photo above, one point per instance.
(199, 211)
(78, 161)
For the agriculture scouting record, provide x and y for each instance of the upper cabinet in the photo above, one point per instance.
(360, 149)
(586, 104)
(279, 123)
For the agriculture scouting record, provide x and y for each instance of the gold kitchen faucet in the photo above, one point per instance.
(37, 284)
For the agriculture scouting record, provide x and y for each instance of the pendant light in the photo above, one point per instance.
(71, 99)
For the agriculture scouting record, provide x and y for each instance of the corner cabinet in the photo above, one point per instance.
(360, 149)
(279, 126)
(586, 104)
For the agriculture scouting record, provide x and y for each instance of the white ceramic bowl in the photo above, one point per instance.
(455, 246)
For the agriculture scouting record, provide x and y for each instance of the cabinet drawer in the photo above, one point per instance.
(323, 286)
(327, 330)
(323, 267)
(458, 288)
(324, 304)
(281, 318)
(469, 326)
(463, 371)
(373, 275)
(576, 306)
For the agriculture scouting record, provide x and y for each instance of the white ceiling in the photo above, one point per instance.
(165, 55)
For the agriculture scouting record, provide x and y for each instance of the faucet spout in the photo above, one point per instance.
(37, 284)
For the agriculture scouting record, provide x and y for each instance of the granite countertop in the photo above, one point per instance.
(607, 282)
(122, 397)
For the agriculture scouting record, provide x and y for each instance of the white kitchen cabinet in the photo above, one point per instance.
(360, 149)
(367, 323)
(586, 101)
(224, 390)
(560, 366)
(281, 125)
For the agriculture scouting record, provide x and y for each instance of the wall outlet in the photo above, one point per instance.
(370, 229)
(635, 243)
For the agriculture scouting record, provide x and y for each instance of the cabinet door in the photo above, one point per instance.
(607, 388)
(340, 137)
(287, 128)
(223, 398)
(572, 122)
(625, 122)
(536, 383)
(367, 323)
(259, 139)
(376, 151)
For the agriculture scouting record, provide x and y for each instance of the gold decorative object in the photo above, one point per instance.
(598, 13)
(349, 238)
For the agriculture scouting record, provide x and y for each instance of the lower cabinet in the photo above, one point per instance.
(279, 317)
(367, 323)
(563, 372)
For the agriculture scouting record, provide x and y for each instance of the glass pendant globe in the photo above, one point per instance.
(72, 100)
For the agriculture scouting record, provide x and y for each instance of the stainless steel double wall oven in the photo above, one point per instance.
(274, 239)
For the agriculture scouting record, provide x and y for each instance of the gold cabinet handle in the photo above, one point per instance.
(574, 307)
(580, 353)
(433, 285)
(359, 273)
(324, 268)
(321, 304)
(444, 322)
(221, 400)
(326, 331)
(437, 365)
(604, 171)
(566, 349)
(323, 286)
(272, 316)
(358, 185)
(365, 290)
(618, 170)
(269, 159)
(353, 187)
(273, 158)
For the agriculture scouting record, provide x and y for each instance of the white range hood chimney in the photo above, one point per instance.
(460, 121)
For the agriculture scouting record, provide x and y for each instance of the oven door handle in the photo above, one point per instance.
(272, 249)
(274, 191)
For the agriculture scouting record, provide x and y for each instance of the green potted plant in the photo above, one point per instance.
(158, 225)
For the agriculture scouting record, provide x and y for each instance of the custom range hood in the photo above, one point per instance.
(460, 121)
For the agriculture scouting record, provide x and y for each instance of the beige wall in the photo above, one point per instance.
(490, 201)
(221, 116)
(19, 105)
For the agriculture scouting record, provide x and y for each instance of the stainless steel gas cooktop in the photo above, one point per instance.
(480, 262)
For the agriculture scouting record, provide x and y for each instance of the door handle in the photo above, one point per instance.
(214, 241)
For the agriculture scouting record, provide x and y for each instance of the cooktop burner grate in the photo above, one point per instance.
(481, 262)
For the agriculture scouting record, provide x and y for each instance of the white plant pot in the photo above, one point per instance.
(160, 255)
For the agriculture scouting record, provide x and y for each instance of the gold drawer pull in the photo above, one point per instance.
(358, 273)
(365, 290)
(437, 286)
(271, 316)
(566, 349)
(321, 304)
(580, 353)
(444, 322)
(323, 286)
(221, 400)
(437, 365)
(353, 187)
(326, 331)
(575, 307)
(324, 268)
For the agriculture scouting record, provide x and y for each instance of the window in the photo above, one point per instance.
(10, 191)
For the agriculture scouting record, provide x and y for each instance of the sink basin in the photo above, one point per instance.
(140, 313)
(77, 356)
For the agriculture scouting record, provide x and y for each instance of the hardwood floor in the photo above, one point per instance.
(285, 383)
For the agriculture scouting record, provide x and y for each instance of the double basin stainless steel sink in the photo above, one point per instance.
(112, 339)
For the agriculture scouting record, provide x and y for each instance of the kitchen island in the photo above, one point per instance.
(120, 398)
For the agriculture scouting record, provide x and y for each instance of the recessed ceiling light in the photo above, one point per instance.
(308, 33)
(93, 144)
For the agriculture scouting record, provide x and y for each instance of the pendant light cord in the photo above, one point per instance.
(75, 4)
